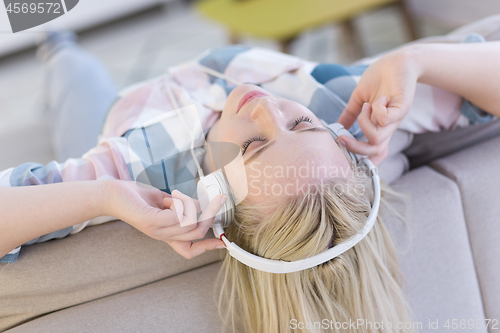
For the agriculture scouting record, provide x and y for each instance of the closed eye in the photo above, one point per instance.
(249, 141)
(301, 119)
(297, 121)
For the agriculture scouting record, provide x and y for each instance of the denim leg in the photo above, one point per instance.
(79, 94)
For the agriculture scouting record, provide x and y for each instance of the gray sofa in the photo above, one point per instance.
(448, 253)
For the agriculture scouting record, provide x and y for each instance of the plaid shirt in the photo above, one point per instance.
(146, 139)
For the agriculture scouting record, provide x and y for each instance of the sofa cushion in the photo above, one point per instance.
(181, 303)
(99, 261)
(434, 252)
(475, 170)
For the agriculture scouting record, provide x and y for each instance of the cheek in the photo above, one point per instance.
(229, 106)
(219, 131)
(232, 130)
(227, 134)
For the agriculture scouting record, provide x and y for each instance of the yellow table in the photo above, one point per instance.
(284, 20)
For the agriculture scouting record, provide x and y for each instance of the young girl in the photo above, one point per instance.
(272, 132)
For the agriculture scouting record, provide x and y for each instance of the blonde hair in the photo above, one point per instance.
(362, 283)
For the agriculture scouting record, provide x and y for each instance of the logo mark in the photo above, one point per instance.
(26, 14)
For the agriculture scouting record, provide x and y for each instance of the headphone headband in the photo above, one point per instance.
(280, 266)
(215, 183)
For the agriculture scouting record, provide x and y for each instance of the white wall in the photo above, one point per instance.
(454, 13)
(86, 14)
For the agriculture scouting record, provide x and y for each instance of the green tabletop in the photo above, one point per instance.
(282, 19)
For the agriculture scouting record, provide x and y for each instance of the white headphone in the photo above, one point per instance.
(215, 183)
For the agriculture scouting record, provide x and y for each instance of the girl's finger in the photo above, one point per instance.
(375, 134)
(351, 111)
(370, 130)
(189, 208)
(376, 160)
(198, 232)
(379, 106)
(168, 201)
(213, 208)
(388, 112)
(163, 219)
(197, 204)
(381, 135)
(178, 208)
(176, 232)
(364, 148)
(205, 221)
(190, 250)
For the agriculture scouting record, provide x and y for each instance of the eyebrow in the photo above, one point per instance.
(269, 144)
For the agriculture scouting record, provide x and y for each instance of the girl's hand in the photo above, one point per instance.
(160, 215)
(381, 100)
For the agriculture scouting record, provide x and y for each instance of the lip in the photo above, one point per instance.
(249, 96)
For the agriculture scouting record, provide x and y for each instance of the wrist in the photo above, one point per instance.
(415, 57)
(105, 194)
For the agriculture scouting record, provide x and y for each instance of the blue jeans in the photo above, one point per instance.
(79, 94)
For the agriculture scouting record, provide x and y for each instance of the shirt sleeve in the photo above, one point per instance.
(102, 162)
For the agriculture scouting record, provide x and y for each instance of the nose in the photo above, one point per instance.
(267, 114)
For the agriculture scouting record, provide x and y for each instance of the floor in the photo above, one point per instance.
(144, 46)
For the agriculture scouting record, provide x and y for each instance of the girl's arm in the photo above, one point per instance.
(471, 70)
(28, 212)
(386, 89)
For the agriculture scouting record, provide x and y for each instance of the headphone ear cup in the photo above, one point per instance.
(208, 188)
(337, 129)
